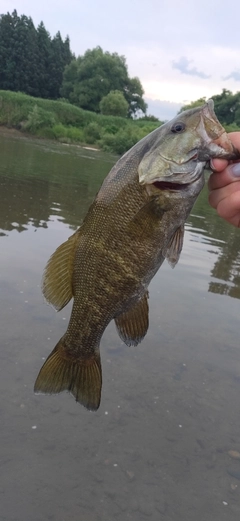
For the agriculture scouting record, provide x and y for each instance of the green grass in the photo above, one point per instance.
(64, 122)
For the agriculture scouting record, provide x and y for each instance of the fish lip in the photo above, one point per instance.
(216, 151)
(233, 155)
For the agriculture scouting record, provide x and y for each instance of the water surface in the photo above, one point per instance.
(158, 446)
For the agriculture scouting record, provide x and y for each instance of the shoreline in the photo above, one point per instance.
(13, 132)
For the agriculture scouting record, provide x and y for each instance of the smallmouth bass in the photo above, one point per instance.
(135, 222)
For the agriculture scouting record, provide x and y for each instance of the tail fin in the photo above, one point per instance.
(81, 377)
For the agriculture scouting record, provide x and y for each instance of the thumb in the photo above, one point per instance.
(234, 171)
(229, 175)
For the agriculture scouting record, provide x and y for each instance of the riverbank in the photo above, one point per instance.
(63, 122)
(19, 134)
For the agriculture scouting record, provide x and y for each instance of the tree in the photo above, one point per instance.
(30, 61)
(7, 26)
(44, 54)
(150, 117)
(226, 107)
(17, 53)
(193, 104)
(114, 104)
(134, 95)
(92, 76)
(60, 56)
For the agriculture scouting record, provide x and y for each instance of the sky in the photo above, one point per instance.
(180, 50)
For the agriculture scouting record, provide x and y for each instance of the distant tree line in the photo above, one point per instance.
(34, 63)
(30, 60)
(226, 107)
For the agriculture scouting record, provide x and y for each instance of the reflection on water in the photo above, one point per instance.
(224, 242)
(45, 183)
(60, 186)
(158, 448)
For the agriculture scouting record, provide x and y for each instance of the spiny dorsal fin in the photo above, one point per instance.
(174, 247)
(57, 277)
(132, 325)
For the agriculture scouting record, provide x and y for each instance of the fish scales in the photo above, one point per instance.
(134, 224)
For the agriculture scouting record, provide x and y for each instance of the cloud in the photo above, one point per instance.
(183, 66)
(164, 110)
(234, 74)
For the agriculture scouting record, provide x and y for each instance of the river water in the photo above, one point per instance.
(158, 447)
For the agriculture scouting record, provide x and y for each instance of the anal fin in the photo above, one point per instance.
(132, 325)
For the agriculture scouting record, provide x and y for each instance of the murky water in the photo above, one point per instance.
(158, 446)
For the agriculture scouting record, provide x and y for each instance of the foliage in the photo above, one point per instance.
(193, 104)
(232, 128)
(30, 61)
(226, 106)
(123, 139)
(70, 124)
(133, 92)
(34, 63)
(92, 132)
(149, 117)
(92, 76)
(68, 134)
(38, 118)
(114, 104)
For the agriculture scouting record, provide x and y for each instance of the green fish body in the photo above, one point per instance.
(135, 222)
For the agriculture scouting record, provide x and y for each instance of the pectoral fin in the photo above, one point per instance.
(57, 277)
(174, 247)
(132, 325)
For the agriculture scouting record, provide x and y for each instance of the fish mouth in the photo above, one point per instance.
(167, 185)
(180, 181)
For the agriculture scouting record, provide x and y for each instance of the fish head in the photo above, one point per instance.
(180, 150)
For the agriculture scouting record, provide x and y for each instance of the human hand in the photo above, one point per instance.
(224, 186)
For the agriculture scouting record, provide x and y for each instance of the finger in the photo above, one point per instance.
(217, 165)
(229, 175)
(229, 209)
(225, 193)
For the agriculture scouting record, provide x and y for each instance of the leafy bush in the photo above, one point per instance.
(114, 104)
(123, 140)
(59, 131)
(38, 118)
(68, 123)
(45, 133)
(111, 129)
(150, 117)
(68, 134)
(75, 134)
(92, 133)
(232, 128)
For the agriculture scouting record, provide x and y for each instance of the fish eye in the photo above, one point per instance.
(178, 127)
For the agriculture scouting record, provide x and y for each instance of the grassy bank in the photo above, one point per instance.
(66, 123)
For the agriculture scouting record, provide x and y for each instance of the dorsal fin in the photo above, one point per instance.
(132, 325)
(57, 277)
